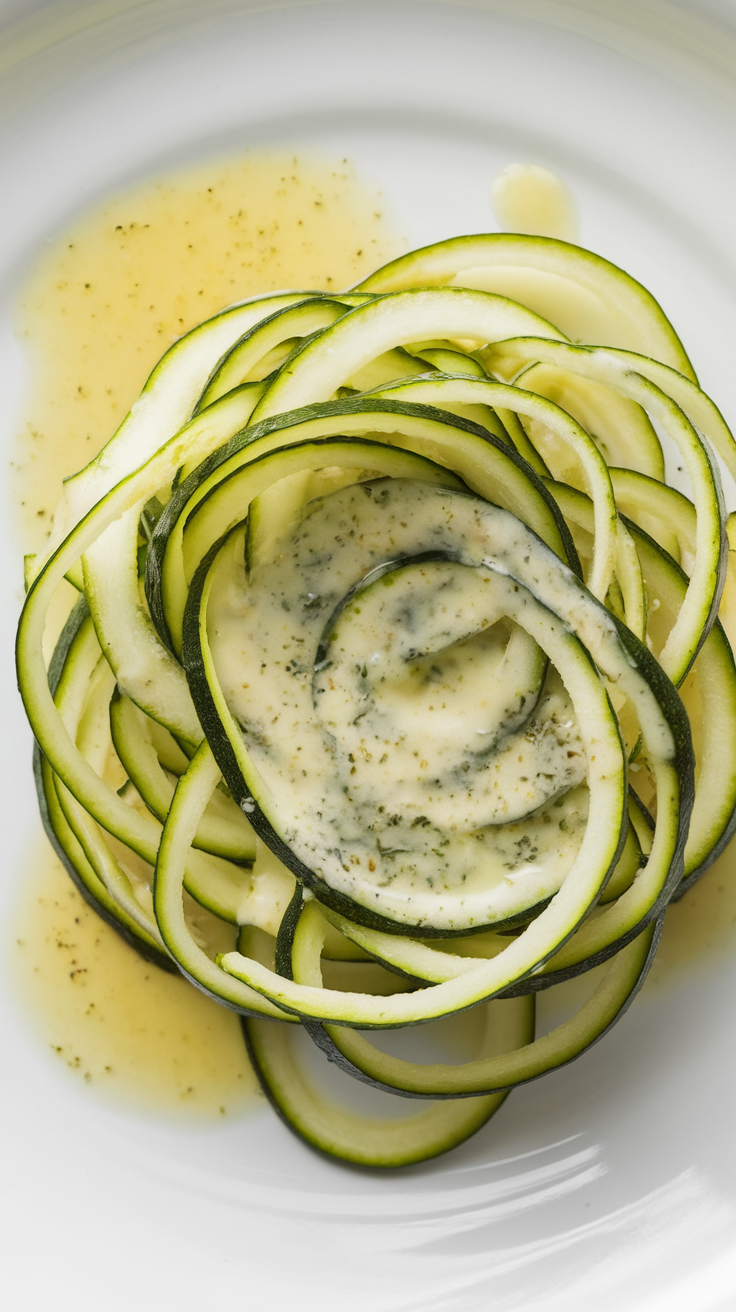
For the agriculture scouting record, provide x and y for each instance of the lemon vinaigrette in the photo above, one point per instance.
(110, 296)
(122, 1024)
(101, 306)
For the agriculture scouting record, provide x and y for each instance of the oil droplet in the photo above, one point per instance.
(530, 199)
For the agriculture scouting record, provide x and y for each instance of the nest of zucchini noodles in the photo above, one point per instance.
(418, 515)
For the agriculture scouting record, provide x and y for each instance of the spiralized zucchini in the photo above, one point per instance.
(396, 687)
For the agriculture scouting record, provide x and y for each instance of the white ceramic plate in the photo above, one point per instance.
(612, 1184)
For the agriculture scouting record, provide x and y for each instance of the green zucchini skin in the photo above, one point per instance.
(284, 324)
(720, 839)
(718, 848)
(436, 264)
(326, 1129)
(330, 1039)
(679, 724)
(83, 877)
(60, 836)
(227, 835)
(285, 936)
(388, 1145)
(678, 404)
(332, 410)
(676, 517)
(180, 495)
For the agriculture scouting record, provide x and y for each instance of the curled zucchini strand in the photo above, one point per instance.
(397, 688)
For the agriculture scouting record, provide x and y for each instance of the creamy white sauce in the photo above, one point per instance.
(410, 834)
(408, 698)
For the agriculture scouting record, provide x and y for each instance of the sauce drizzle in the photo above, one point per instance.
(102, 304)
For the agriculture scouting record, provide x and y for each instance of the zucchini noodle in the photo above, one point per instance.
(397, 669)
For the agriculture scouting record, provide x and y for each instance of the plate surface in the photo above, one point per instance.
(611, 1184)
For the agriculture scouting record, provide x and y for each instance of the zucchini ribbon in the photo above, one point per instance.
(396, 687)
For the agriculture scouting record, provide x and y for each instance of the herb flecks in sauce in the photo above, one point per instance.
(109, 296)
(443, 755)
(127, 1028)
